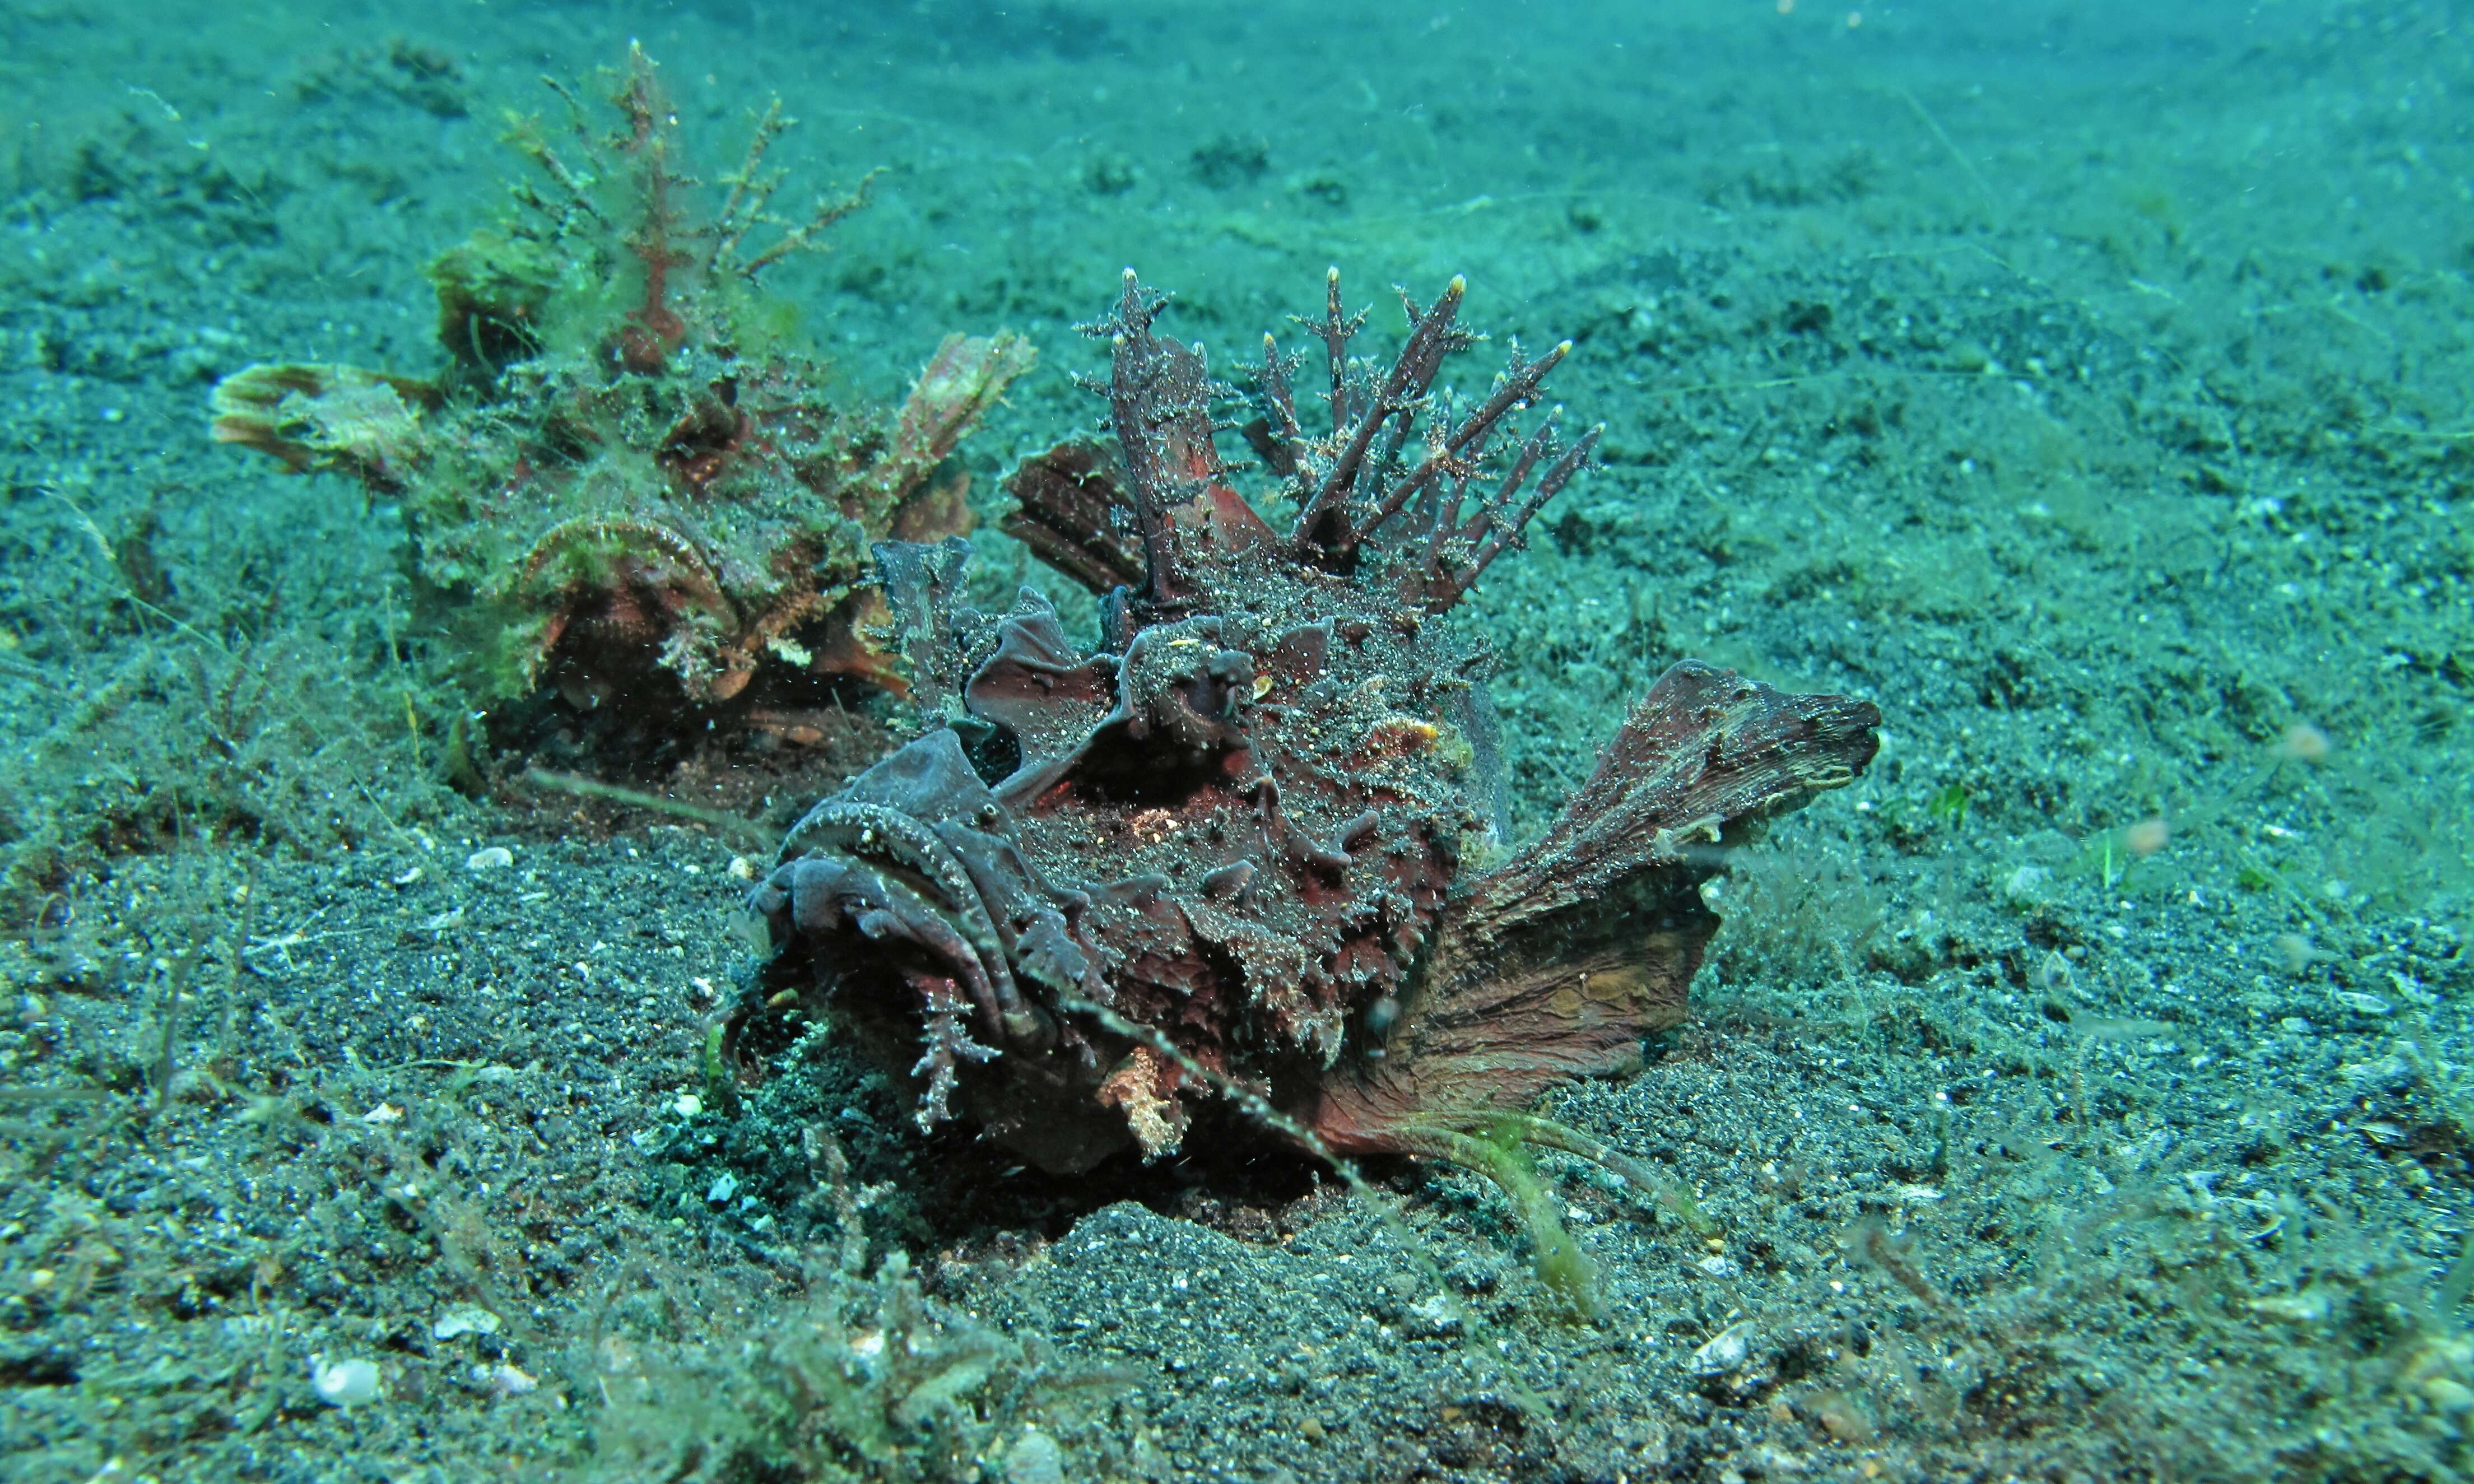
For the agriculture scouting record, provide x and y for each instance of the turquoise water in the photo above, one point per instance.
(2081, 1094)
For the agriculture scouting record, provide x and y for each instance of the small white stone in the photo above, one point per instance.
(1035, 1459)
(1434, 1315)
(687, 1104)
(503, 1380)
(464, 1319)
(1725, 1350)
(343, 1384)
(490, 858)
(2307, 1307)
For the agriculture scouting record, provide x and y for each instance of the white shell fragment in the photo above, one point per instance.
(1725, 1350)
(1035, 1459)
(343, 1384)
(464, 1319)
(503, 1380)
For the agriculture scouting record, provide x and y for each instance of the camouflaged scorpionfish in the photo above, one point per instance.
(1250, 843)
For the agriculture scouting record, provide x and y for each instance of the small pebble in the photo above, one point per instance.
(1725, 1350)
(1434, 1315)
(490, 858)
(343, 1384)
(1035, 1459)
(464, 1319)
(503, 1380)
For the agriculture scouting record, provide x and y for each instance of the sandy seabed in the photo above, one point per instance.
(2088, 1094)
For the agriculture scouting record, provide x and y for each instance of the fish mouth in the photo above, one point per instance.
(915, 902)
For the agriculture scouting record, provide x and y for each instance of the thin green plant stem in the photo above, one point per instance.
(746, 832)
